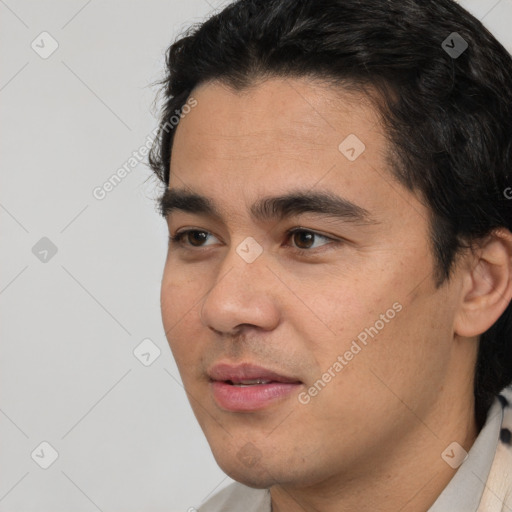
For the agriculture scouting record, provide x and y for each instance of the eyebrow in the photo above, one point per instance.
(273, 208)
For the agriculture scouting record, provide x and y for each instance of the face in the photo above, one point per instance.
(333, 327)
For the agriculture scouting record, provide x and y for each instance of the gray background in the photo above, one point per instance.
(124, 432)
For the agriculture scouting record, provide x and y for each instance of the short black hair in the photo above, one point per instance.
(446, 109)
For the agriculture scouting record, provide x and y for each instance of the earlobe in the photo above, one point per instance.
(487, 287)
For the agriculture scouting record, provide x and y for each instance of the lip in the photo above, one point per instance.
(250, 398)
(246, 371)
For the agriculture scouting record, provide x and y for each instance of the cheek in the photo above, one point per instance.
(346, 307)
(382, 329)
(408, 358)
(180, 306)
(178, 294)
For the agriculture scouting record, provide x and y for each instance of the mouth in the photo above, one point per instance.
(246, 387)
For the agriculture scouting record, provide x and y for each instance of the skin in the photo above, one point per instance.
(372, 438)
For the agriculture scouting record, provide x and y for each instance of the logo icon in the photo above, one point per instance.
(249, 455)
(146, 352)
(44, 455)
(249, 249)
(352, 147)
(454, 45)
(454, 455)
(44, 250)
(44, 45)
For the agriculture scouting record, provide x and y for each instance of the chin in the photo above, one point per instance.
(251, 477)
(247, 467)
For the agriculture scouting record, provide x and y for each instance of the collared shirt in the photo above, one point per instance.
(482, 483)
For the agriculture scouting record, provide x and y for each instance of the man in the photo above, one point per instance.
(338, 282)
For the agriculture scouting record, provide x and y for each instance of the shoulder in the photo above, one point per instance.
(497, 494)
(237, 496)
(505, 397)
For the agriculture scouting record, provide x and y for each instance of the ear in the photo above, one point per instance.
(487, 285)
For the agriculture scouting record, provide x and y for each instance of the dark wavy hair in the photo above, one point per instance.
(448, 117)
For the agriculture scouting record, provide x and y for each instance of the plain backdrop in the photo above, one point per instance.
(88, 384)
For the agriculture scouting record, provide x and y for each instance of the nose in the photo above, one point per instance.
(241, 295)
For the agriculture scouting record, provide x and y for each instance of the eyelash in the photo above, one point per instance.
(177, 239)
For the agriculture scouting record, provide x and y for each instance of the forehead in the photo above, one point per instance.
(275, 113)
(281, 133)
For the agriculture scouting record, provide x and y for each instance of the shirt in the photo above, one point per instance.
(482, 483)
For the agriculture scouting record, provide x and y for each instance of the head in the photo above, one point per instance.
(308, 101)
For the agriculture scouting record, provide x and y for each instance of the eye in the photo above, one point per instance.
(198, 236)
(304, 239)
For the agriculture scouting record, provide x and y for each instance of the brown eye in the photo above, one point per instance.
(190, 237)
(196, 237)
(303, 239)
